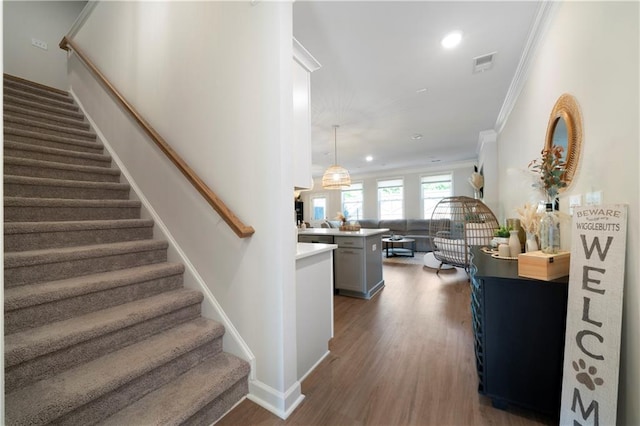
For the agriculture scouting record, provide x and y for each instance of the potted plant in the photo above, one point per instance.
(501, 236)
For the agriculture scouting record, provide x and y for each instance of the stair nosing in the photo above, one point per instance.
(184, 338)
(35, 115)
(42, 107)
(56, 151)
(35, 342)
(52, 291)
(45, 164)
(198, 380)
(14, 228)
(67, 202)
(22, 88)
(13, 131)
(41, 99)
(66, 183)
(11, 118)
(23, 81)
(19, 259)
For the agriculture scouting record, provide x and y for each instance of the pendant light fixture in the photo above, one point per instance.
(336, 177)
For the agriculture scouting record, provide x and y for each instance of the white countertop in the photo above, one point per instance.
(311, 249)
(364, 232)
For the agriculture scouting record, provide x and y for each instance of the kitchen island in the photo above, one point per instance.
(357, 261)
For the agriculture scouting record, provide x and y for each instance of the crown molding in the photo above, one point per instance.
(539, 28)
(82, 17)
(485, 136)
(303, 57)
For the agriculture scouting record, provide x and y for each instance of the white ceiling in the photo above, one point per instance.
(375, 56)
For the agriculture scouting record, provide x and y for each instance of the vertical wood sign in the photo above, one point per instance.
(594, 316)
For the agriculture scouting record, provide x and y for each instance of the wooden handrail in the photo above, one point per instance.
(227, 215)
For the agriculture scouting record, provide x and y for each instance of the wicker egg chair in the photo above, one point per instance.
(456, 224)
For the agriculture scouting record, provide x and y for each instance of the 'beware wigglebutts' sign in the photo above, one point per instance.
(594, 316)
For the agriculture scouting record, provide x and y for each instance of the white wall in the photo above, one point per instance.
(413, 206)
(214, 79)
(590, 51)
(47, 21)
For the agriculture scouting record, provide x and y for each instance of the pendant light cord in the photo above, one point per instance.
(335, 143)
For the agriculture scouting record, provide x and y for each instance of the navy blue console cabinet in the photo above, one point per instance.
(519, 328)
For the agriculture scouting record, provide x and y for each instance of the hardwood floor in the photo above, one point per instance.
(404, 357)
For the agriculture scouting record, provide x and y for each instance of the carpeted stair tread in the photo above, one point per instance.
(68, 142)
(47, 400)
(27, 85)
(43, 227)
(175, 402)
(25, 186)
(36, 342)
(27, 227)
(37, 257)
(47, 292)
(50, 169)
(26, 103)
(44, 117)
(66, 103)
(18, 209)
(21, 236)
(25, 90)
(15, 122)
(35, 305)
(29, 267)
(55, 202)
(65, 155)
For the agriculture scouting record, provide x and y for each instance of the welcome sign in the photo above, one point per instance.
(594, 316)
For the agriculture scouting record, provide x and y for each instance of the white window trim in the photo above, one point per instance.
(404, 194)
(362, 189)
(444, 172)
(326, 204)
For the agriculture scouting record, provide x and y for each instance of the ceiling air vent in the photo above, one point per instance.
(483, 63)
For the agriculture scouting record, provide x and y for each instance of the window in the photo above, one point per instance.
(319, 206)
(434, 188)
(390, 199)
(352, 201)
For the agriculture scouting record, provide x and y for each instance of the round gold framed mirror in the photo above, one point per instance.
(565, 130)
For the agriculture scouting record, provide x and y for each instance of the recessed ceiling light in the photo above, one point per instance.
(423, 90)
(369, 158)
(416, 136)
(451, 40)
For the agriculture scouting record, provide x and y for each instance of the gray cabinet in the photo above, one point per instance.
(349, 266)
(358, 265)
(325, 239)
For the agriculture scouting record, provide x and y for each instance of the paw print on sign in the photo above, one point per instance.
(586, 377)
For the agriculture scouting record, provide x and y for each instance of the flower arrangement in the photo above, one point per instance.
(476, 180)
(341, 217)
(529, 218)
(551, 167)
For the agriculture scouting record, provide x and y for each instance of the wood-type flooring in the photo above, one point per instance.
(405, 357)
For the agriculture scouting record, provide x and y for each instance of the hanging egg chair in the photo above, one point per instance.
(456, 224)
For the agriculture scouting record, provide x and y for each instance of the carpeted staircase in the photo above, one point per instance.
(98, 325)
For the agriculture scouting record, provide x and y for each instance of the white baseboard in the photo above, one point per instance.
(282, 404)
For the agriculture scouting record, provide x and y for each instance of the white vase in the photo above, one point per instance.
(514, 244)
(531, 243)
